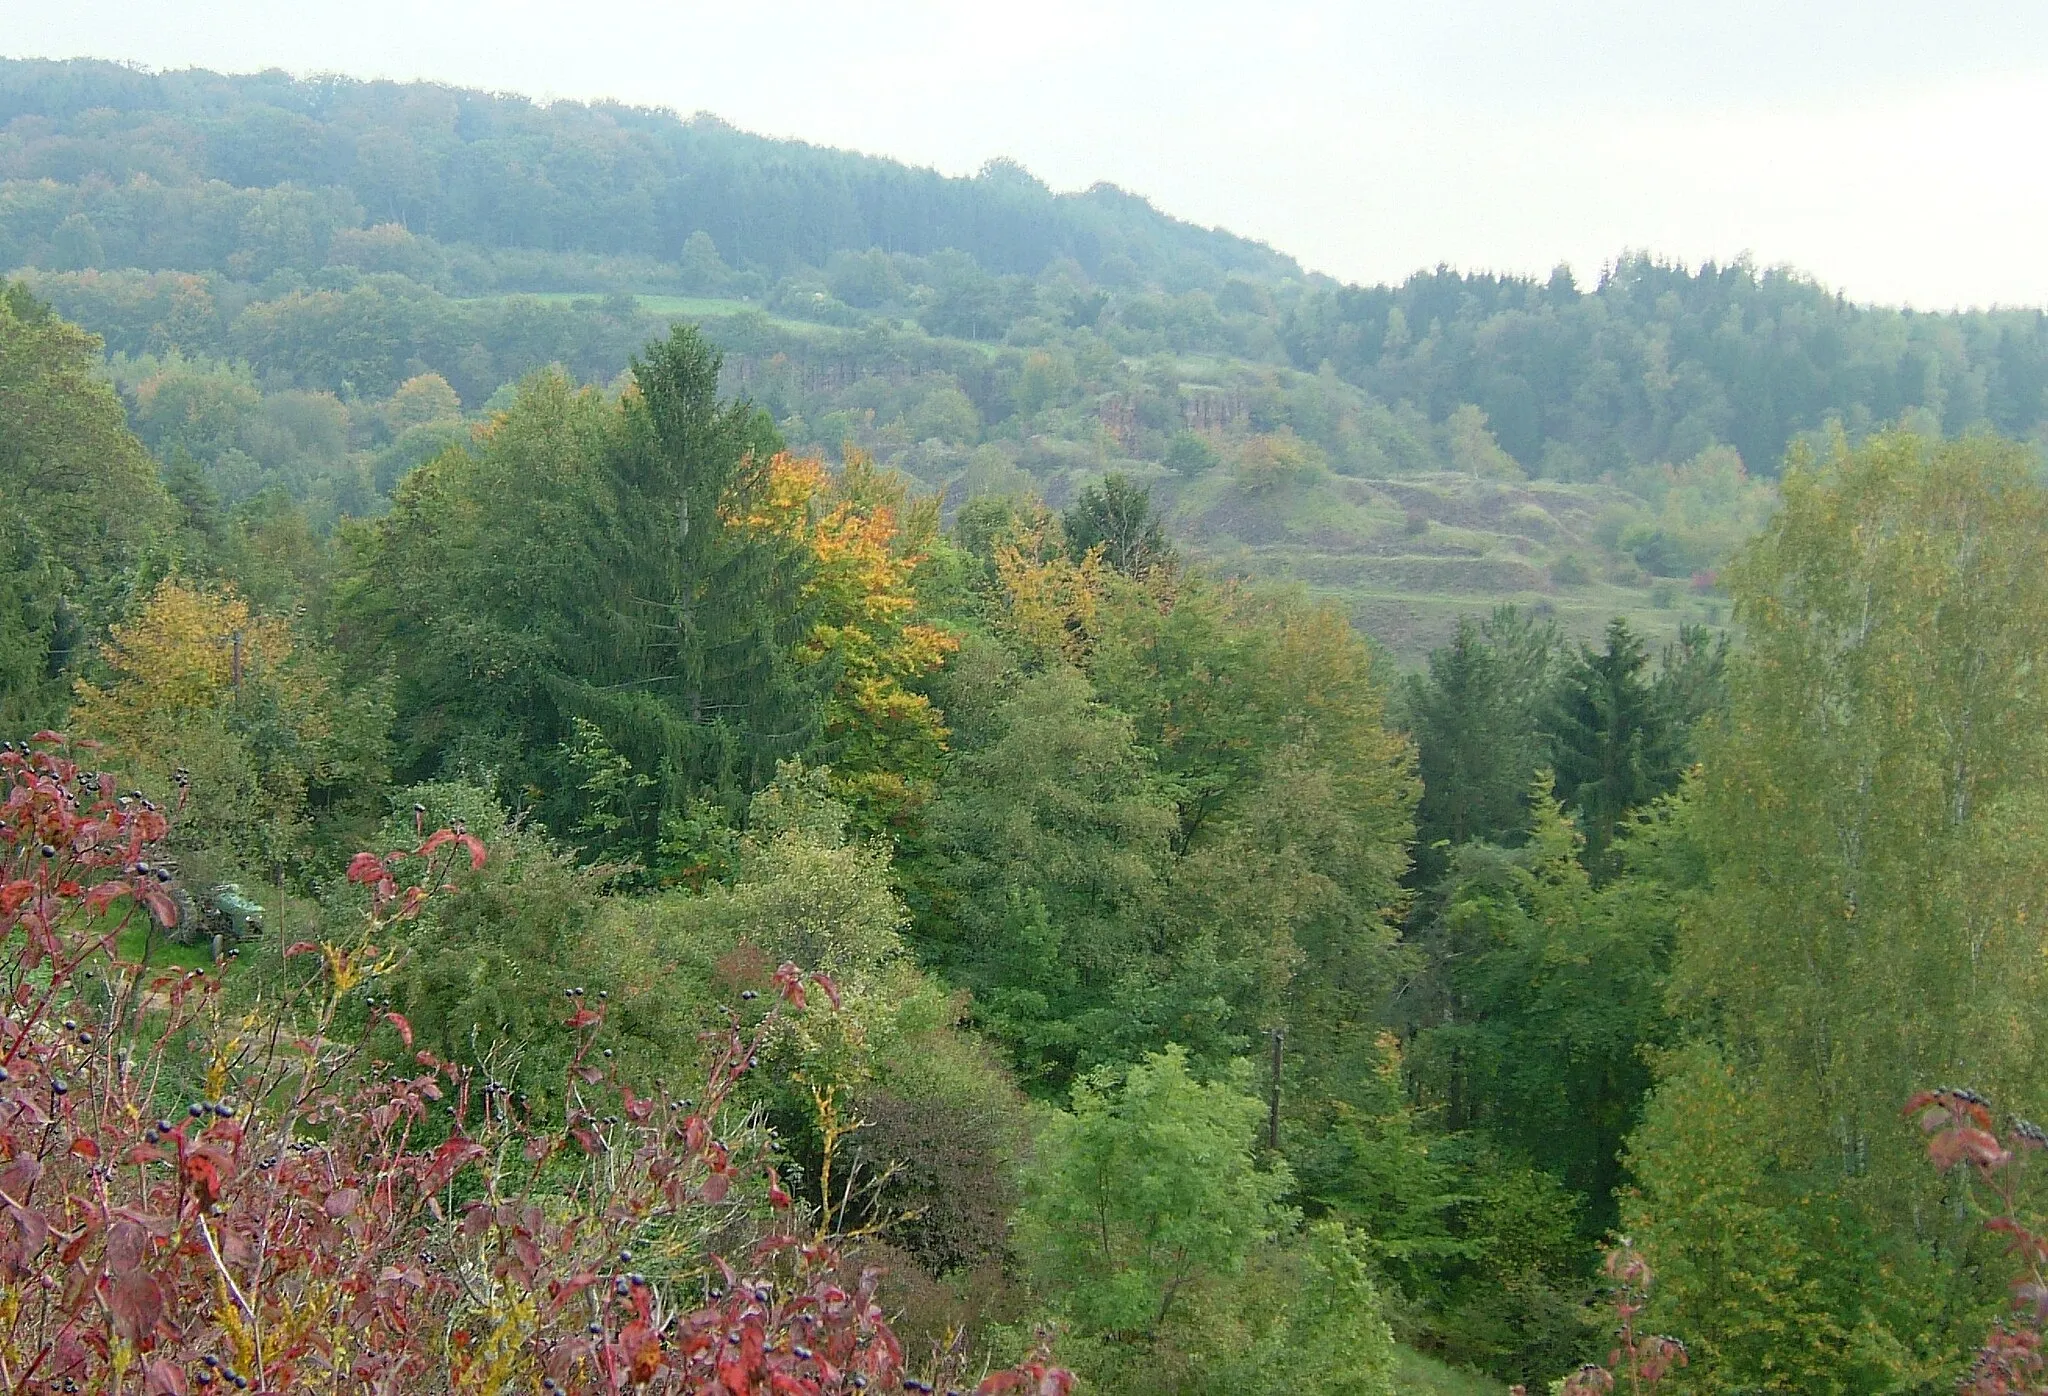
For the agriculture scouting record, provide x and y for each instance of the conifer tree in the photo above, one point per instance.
(1476, 718)
(1613, 745)
(693, 617)
(599, 561)
(1117, 516)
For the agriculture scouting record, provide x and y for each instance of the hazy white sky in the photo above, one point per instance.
(1897, 151)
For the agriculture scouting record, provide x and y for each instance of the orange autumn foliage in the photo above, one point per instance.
(867, 540)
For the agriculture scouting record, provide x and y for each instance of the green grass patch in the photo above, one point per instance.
(163, 951)
(1416, 1375)
(676, 307)
(655, 305)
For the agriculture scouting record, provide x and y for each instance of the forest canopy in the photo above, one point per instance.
(1184, 822)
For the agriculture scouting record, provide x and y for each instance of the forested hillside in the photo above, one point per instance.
(1201, 1006)
(730, 816)
(271, 260)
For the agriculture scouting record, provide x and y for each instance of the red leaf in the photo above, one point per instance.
(581, 1018)
(642, 1349)
(85, 1148)
(997, 1382)
(127, 1244)
(1953, 1146)
(158, 903)
(19, 1178)
(475, 846)
(434, 841)
(450, 1157)
(202, 1176)
(342, 1201)
(715, 1187)
(366, 868)
(397, 1020)
(828, 986)
(137, 1303)
(300, 947)
(31, 1233)
(102, 895)
(166, 1378)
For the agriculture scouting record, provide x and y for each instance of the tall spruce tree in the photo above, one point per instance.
(1613, 745)
(597, 561)
(692, 617)
(1476, 717)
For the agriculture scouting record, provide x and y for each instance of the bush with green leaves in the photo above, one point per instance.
(1148, 1189)
(1160, 1237)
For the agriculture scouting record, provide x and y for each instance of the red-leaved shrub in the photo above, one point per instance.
(297, 1216)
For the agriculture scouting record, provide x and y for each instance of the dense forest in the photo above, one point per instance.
(270, 261)
(861, 842)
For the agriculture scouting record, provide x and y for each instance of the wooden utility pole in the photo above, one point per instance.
(1273, 1097)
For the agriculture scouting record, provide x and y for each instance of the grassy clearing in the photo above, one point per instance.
(1416, 1375)
(674, 307)
(658, 305)
(164, 953)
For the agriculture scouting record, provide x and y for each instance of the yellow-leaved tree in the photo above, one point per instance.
(207, 696)
(1048, 603)
(868, 540)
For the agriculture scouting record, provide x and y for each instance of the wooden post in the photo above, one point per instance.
(1273, 1099)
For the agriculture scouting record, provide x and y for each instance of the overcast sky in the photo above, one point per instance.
(1897, 151)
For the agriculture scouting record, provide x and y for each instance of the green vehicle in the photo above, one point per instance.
(223, 910)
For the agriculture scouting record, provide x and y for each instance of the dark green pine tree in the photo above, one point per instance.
(578, 605)
(1476, 720)
(1615, 742)
(690, 662)
(205, 521)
